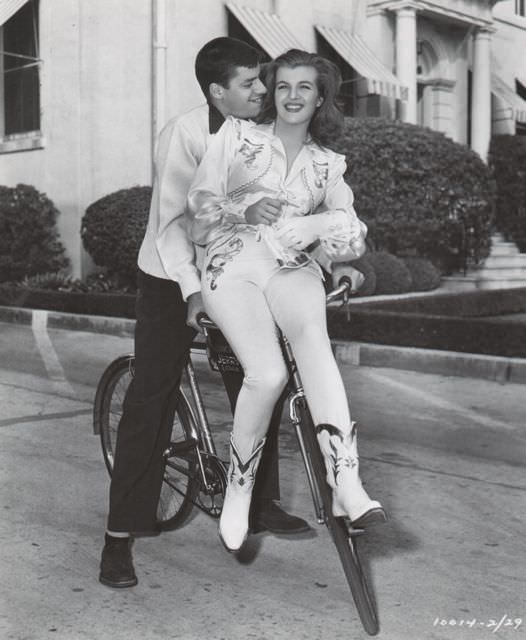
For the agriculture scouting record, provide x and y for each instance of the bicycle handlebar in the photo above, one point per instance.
(344, 288)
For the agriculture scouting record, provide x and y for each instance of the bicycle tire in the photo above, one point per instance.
(346, 545)
(180, 481)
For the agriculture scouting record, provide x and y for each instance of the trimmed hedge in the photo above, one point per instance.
(96, 304)
(113, 228)
(29, 241)
(468, 304)
(444, 321)
(419, 192)
(467, 335)
(508, 158)
(451, 322)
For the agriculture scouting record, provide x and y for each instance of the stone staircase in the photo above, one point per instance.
(504, 268)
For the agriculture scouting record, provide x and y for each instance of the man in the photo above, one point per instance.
(168, 302)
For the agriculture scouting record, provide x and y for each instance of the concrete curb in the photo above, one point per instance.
(448, 363)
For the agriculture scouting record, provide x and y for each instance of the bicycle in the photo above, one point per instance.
(195, 475)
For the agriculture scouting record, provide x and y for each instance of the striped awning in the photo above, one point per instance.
(8, 8)
(514, 102)
(266, 28)
(377, 78)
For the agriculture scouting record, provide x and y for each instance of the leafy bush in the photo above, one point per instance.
(392, 276)
(418, 190)
(29, 241)
(55, 281)
(99, 282)
(112, 231)
(508, 159)
(424, 275)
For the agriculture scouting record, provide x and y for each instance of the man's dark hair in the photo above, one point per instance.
(218, 59)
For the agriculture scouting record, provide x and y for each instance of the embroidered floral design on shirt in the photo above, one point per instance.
(321, 173)
(218, 261)
(249, 150)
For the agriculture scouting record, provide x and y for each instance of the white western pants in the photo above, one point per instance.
(247, 294)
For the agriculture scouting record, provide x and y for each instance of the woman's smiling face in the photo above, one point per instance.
(296, 94)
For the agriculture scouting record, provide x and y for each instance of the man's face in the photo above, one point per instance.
(243, 96)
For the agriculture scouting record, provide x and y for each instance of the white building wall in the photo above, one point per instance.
(95, 101)
(97, 84)
(190, 24)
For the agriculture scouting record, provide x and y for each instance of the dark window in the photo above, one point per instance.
(520, 89)
(238, 31)
(520, 8)
(21, 71)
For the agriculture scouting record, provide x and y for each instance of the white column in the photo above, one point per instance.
(481, 93)
(406, 59)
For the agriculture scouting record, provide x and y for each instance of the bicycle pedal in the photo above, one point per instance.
(353, 531)
(181, 449)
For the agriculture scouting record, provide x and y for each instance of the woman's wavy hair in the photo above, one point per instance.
(327, 121)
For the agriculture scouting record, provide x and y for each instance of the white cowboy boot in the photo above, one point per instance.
(349, 498)
(233, 523)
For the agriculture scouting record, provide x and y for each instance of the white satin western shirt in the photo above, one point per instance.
(246, 162)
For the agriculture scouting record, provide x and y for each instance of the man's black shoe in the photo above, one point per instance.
(116, 565)
(271, 517)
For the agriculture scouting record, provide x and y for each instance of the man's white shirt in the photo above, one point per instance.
(166, 250)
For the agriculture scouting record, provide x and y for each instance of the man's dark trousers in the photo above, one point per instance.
(162, 345)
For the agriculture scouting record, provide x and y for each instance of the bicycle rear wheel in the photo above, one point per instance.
(180, 481)
(345, 544)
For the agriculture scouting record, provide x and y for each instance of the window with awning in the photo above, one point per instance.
(373, 76)
(267, 30)
(513, 104)
(8, 8)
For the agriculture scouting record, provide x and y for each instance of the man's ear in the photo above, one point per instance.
(216, 91)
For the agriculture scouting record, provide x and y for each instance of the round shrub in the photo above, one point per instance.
(508, 159)
(113, 228)
(416, 189)
(424, 275)
(29, 240)
(392, 276)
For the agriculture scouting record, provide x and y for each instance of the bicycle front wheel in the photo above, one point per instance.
(345, 544)
(180, 481)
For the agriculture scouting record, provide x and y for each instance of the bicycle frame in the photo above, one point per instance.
(296, 395)
(194, 460)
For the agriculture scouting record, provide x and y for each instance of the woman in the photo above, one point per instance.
(270, 204)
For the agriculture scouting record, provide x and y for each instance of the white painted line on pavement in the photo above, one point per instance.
(430, 398)
(47, 351)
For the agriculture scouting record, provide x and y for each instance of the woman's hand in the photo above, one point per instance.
(299, 233)
(264, 211)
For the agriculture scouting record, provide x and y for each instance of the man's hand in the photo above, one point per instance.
(342, 271)
(264, 211)
(195, 307)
